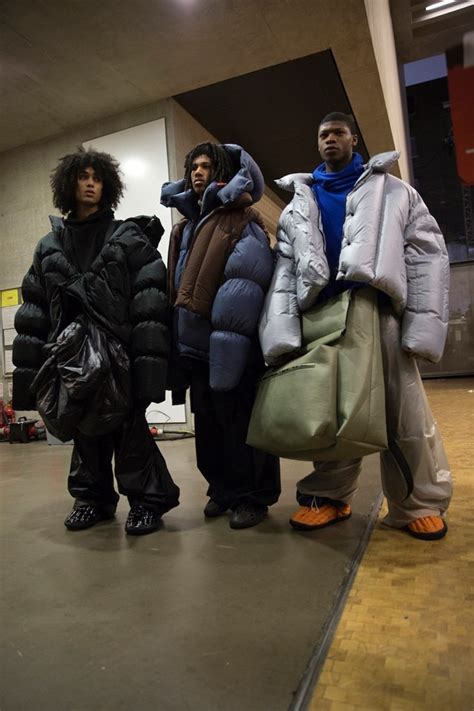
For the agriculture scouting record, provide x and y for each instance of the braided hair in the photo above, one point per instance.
(64, 178)
(223, 170)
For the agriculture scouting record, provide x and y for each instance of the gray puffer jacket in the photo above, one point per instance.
(390, 242)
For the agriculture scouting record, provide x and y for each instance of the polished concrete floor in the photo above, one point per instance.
(195, 616)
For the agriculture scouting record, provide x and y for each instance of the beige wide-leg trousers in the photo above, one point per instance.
(415, 472)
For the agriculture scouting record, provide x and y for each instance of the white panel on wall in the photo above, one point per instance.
(142, 154)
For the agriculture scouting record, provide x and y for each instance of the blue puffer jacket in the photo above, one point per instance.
(223, 336)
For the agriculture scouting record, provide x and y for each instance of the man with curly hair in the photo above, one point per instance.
(110, 272)
(220, 265)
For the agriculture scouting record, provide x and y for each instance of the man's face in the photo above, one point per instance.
(336, 144)
(201, 173)
(88, 188)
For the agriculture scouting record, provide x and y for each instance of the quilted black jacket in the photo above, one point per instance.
(124, 291)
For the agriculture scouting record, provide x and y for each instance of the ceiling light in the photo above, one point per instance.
(437, 11)
(436, 5)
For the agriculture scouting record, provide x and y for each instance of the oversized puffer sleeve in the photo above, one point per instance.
(425, 319)
(32, 324)
(149, 317)
(280, 328)
(237, 306)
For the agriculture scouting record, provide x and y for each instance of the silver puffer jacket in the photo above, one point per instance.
(390, 242)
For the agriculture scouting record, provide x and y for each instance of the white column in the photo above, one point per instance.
(381, 31)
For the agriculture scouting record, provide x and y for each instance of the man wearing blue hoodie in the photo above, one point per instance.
(219, 268)
(351, 224)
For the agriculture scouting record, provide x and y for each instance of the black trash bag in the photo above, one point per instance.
(70, 373)
(83, 371)
(110, 404)
(84, 382)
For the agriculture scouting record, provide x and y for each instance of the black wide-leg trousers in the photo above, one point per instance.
(234, 471)
(140, 469)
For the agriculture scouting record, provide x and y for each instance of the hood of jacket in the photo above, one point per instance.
(380, 163)
(245, 187)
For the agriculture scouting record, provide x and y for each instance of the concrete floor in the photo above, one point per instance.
(195, 616)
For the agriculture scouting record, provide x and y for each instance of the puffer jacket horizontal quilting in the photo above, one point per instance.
(193, 333)
(147, 313)
(251, 258)
(312, 271)
(372, 248)
(29, 351)
(149, 343)
(426, 316)
(124, 291)
(225, 339)
(237, 307)
(32, 325)
(301, 271)
(32, 319)
(53, 266)
(363, 229)
(390, 242)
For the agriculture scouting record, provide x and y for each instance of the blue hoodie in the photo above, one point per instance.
(331, 191)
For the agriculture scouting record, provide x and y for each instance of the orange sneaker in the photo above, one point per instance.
(428, 528)
(308, 518)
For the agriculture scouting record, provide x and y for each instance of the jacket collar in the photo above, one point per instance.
(57, 223)
(380, 163)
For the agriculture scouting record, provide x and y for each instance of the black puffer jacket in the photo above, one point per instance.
(124, 291)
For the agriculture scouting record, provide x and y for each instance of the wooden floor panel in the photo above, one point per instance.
(405, 639)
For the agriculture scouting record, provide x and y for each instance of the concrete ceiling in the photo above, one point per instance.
(66, 63)
(274, 112)
(433, 36)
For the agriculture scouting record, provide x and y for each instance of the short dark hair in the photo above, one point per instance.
(64, 178)
(343, 118)
(221, 161)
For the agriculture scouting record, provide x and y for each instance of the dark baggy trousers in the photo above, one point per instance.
(234, 471)
(140, 470)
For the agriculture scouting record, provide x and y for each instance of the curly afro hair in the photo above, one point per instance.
(222, 164)
(64, 178)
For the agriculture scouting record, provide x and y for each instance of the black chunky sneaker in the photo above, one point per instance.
(85, 516)
(213, 509)
(141, 521)
(247, 514)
